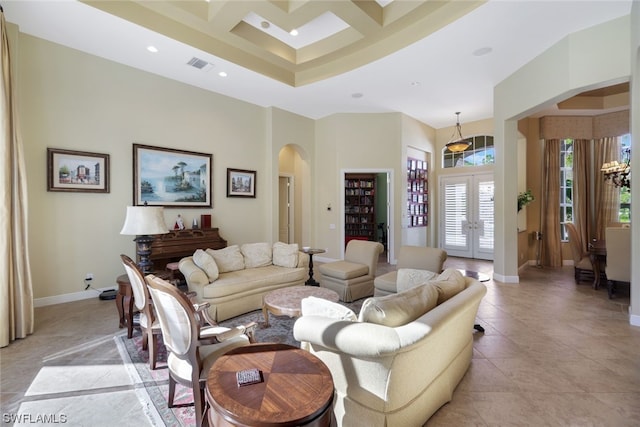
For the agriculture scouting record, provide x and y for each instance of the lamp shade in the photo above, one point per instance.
(458, 146)
(144, 220)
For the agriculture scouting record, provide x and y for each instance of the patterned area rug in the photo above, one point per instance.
(153, 386)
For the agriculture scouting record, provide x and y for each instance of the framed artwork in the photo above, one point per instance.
(77, 171)
(172, 178)
(241, 183)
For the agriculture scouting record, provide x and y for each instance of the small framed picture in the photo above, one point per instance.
(77, 171)
(241, 183)
(171, 178)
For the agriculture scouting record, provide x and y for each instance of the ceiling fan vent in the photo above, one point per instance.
(200, 64)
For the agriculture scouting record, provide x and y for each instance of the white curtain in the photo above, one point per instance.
(16, 292)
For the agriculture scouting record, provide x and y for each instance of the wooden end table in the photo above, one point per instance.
(297, 388)
(598, 257)
(311, 252)
(125, 303)
(288, 301)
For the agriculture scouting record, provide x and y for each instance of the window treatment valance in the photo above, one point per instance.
(585, 127)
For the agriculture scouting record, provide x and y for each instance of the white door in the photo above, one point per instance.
(467, 215)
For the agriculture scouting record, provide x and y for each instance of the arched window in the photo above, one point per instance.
(481, 152)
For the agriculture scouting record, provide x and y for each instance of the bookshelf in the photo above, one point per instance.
(417, 193)
(359, 197)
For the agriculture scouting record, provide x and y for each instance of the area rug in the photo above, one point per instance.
(152, 387)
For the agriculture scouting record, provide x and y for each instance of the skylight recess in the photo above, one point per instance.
(317, 29)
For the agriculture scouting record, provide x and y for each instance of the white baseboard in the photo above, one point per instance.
(75, 296)
(505, 279)
(634, 320)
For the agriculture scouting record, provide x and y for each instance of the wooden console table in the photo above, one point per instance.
(177, 244)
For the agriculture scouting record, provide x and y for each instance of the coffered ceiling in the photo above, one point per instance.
(332, 37)
(426, 59)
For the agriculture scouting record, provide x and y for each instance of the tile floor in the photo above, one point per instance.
(553, 353)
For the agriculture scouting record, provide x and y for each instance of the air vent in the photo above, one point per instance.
(200, 64)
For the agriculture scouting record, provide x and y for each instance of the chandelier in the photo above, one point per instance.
(618, 173)
(457, 143)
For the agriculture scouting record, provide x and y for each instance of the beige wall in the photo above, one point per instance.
(297, 135)
(71, 100)
(350, 143)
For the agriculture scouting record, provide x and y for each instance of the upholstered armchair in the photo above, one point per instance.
(618, 267)
(192, 349)
(352, 278)
(583, 268)
(414, 257)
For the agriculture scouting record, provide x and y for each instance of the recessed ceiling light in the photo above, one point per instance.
(293, 32)
(482, 51)
(222, 74)
(265, 24)
(152, 49)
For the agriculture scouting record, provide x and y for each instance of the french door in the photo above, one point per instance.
(467, 214)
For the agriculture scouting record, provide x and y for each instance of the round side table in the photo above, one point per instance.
(296, 388)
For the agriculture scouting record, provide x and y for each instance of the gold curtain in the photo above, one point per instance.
(581, 193)
(607, 205)
(551, 253)
(16, 292)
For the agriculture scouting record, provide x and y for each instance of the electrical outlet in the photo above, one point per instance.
(88, 276)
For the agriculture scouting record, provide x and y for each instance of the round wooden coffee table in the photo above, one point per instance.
(287, 301)
(296, 388)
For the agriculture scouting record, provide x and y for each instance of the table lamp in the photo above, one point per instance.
(144, 222)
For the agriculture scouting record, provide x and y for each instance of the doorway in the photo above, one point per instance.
(285, 209)
(467, 212)
(381, 223)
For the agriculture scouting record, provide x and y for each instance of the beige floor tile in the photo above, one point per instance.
(536, 375)
(574, 409)
(505, 409)
(623, 404)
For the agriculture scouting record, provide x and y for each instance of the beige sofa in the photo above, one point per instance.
(388, 372)
(233, 280)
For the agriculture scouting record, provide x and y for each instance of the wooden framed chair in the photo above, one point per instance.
(192, 349)
(149, 325)
(583, 268)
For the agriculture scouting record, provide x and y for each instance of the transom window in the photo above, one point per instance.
(481, 152)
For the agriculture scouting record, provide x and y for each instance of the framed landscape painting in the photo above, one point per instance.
(77, 171)
(241, 183)
(172, 178)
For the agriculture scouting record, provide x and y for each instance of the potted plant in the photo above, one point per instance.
(524, 199)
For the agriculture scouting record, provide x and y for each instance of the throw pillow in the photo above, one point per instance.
(207, 263)
(256, 254)
(408, 278)
(314, 306)
(401, 308)
(449, 283)
(285, 255)
(228, 259)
